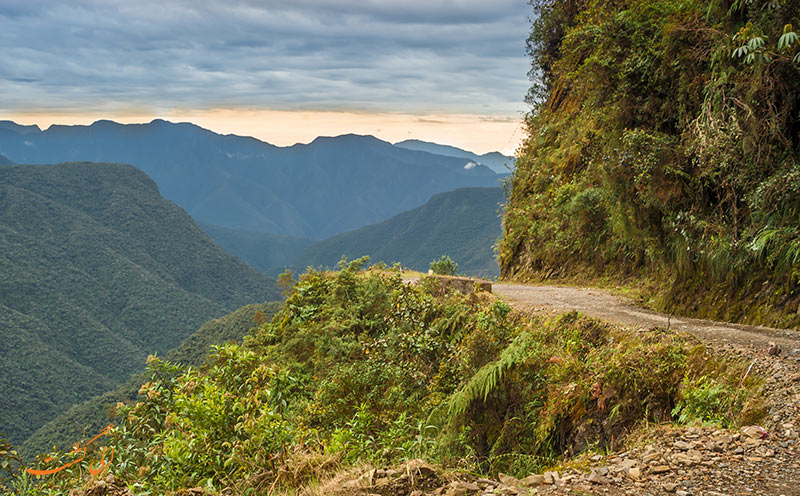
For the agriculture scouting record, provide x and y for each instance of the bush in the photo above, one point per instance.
(444, 266)
(9, 461)
(706, 400)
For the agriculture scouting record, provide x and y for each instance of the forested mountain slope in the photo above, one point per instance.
(316, 190)
(83, 420)
(664, 143)
(264, 251)
(463, 224)
(97, 271)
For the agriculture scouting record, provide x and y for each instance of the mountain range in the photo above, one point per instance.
(316, 190)
(97, 271)
(501, 164)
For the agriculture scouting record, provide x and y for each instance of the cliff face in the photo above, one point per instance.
(663, 143)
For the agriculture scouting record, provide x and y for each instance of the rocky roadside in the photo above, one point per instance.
(684, 461)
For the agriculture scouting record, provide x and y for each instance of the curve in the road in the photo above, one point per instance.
(603, 305)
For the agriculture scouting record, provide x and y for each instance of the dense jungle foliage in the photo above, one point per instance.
(92, 415)
(359, 366)
(664, 141)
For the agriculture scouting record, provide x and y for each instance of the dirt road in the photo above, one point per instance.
(603, 305)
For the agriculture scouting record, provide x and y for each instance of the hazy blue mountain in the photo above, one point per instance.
(265, 251)
(496, 161)
(5, 161)
(97, 271)
(316, 190)
(19, 128)
(463, 224)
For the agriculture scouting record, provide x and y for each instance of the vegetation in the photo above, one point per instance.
(464, 224)
(359, 366)
(664, 142)
(89, 417)
(97, 271)
(444, 266)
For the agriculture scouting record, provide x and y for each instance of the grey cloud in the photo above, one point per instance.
(436, 55)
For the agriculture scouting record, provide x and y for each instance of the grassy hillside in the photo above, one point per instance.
(264, 251)
(463, 224)
(664, 144)
(359, 367)
(97, 271)
(85, 419)
(326, 187)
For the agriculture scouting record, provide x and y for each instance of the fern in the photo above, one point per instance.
(486, 380)
(778, 246)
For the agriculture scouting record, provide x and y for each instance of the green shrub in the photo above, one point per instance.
(706, 400)
(444, 266)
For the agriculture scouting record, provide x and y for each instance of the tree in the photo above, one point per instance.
(445, 266)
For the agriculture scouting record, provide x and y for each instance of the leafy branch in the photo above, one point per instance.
(753, 47)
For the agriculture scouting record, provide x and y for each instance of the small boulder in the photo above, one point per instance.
(754, 432)
(532, 480)
(551, 478)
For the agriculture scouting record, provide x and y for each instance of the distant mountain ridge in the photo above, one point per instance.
(97, 270)
(19, 128)
(496, 161)
(463, 224)
(316, 190)
(5, 161)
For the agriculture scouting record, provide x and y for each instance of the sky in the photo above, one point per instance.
(449, 71)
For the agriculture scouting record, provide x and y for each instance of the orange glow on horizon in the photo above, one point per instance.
(476, 133)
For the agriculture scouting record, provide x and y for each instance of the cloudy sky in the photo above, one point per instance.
(452, 71)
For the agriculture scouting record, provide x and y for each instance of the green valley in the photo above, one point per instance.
(265, 251)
